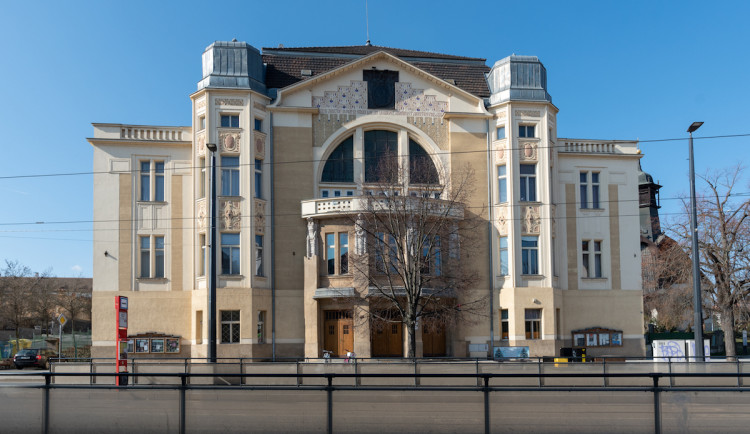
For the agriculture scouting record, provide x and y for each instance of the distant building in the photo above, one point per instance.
(296, 129)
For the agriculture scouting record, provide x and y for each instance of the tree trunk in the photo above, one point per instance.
(411, 338)
(727, 325)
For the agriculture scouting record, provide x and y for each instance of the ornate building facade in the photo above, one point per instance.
(297, 131)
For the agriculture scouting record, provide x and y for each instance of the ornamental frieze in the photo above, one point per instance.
(231, 218)
(415, 100)
(229, 101)
(201, 104)
(530, 221)
(528, 113)
(230, 141)
(260, 216)
(259, 106)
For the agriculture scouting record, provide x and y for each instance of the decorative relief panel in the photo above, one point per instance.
(500, 151)
(200, 104)
(528, 151)
(503, 219)
(414, 100)
(528, 113)
(231, 217)
(202, 214)
(259, 140)
(230, 141)
(259, 106)
(501, 115)
(353, 97)
(530, 221)
(325, 125)
(229, 101)
(550, 119)
(434, 127)
(200, 143)
(312, 238)
(360, 237)
(260, 216)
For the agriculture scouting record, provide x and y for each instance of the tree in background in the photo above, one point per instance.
(43, 299)
(15, 288)
(75, 299)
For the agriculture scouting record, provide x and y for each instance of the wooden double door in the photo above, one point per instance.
(338, 330)
(387, 340)
(433, 341)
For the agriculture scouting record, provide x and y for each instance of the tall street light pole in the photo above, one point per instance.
(697, 299)
(212, 253)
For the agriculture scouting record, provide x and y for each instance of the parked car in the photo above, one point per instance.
(37, 357)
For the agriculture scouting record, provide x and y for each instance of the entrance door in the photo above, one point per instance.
(339, 332)
(387, 340)
(433, 341)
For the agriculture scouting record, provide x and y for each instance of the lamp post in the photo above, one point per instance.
(697, 300)
(212, 253)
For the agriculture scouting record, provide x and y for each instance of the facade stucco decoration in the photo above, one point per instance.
(500, 152)
(530, 221)
(360, 240)
(260, 216)
(325, 125)
(312, 238)
(231, 217)
(550, 119)
(200, 141)
(529, 151)
(200, 104)
(528, 113)
(229, 101)
(230, 141)
(434, 127)
(202, 214)
(413, 100)
(259, 106)
(346, 98)
(454, 243)
(260, 145)
(503, 215)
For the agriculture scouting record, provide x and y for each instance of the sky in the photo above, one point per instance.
(616, 70)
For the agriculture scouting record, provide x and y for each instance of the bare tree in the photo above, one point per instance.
(15, 305)
(43, 299)
(723, 235)
(667, 293)
(414, 241)
(75, 299)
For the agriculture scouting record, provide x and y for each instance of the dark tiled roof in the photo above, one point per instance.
(285, 65)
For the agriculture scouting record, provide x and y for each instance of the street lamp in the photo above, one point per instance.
(212, 253)
(697, 299)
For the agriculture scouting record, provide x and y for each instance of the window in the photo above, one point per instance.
(593, 188)
(381, 88)
(503, 256)
(202, 178)
(259, 179)
(261, 327)
(528, 182)
(331, 253)
(500, 133)
(259, 255)
(431, 256)
(230, 121)
(258, 124)
(158, 175)
(152, 257)
(344, 252)
(339, 166)
(386, 252)
(230, 326)
(230, 176)
(337, 253)
(202, 256)
(201, 123)
(421, 167)
(526, 131)
(592, 270)
(533, 323)
(230, 254)
(502, 184)
(381, 155)
(530, 255)
(504, 325)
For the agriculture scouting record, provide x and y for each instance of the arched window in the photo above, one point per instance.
(340, 164)
(421, 167)
(381, 152)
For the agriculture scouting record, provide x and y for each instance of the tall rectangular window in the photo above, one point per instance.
(230, 254)
(533, 319)
(595, 189)
(258, 124)
(261, 332)
(591, 258)
(230, 121)
(159, 257)
(431, 260)
(343, 252)
(202, 255)
(500, 133)
(502, 184)
(530, 255)
(230, 176)
(146, 256)
(145, 180)
(159, 181)
(259, 179)
(504, 324)
(589, 191)
(528, 182)
(503, 256)
(526, 131)
(230, 326)
(201, 123)
(259, 256)
(202, 177)
(584, 190)
(331, 253)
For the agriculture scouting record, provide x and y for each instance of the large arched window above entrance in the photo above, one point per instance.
(421, 167)
(339, 166)
(381, 152)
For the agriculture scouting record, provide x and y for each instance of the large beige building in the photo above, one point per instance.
(295, 128)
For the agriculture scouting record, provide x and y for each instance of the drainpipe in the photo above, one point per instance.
(273, 245)
(490, 228)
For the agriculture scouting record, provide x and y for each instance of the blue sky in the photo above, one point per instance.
(616, 70)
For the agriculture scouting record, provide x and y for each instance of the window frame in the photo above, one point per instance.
(336, 255)
(259, 270)
(502, 183)
(530, 256)
(258, 178)
(500, 133)
(504, 325)
(231, 250)
(152, 180)
(231, 118)
(152, 257)
(591, 249)
(202, 258)
(525, 129)
(533, 326)
(231, 323)
(230, 177)
(503, 256)
(527, 184)
(589, 189)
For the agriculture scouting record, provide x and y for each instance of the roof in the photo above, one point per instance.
(284, 65)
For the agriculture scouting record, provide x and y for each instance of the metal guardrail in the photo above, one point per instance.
(483, 386)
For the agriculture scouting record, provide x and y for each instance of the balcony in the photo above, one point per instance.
(341, 206)
(611, 147)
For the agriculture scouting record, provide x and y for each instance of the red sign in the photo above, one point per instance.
(121, 341)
